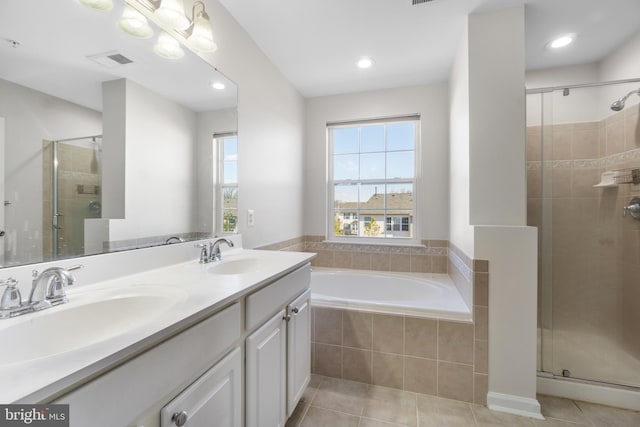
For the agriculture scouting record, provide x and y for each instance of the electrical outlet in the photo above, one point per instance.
(251, 218)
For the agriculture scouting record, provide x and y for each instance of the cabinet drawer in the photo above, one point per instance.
(271, 298)
(125, 394)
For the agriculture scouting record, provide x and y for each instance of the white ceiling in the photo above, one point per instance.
(316, 43)
(57, 38)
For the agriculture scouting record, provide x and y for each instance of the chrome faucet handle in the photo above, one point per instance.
(204, 254)
(214, 248)
(11, 298)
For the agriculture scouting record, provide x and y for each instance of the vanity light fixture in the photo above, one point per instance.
(197, 30)
(365, 63)
(217, 85)
(134, 23)
(97, 4)
(171, 12)
(561, 41)
(168, 47)
(201, 34)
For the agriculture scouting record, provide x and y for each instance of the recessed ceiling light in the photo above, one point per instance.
(365, 63)
(217, 85)
(562, 41)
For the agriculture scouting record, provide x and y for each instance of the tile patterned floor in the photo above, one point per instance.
(330, 402)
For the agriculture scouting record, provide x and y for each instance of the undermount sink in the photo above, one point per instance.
(236, 266)
(86, 320)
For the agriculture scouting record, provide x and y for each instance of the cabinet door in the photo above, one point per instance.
(298, 349)
(215, 399)
(266, 371)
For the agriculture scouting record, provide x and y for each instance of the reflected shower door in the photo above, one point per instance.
(589, 250)
(73, 183)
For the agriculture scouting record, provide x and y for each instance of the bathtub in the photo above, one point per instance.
(413, 294)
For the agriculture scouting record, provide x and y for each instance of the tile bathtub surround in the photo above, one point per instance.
(429, 356)
(423, 355)
(334, 402)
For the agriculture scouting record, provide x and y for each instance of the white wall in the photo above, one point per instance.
(270, 134)
(429, 101)
(488, 196)
(624, 63)
(31, 117)
(496, 96)
(461, 231)
(159, 165)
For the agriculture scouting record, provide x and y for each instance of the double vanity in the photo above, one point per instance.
(227, 340)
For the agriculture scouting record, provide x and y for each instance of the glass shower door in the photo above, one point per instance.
(589, 251)
(73, 182)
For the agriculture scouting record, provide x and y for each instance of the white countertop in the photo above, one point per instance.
(200, 295)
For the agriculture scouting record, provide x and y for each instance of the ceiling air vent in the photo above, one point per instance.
(110, 59)
(416, 2)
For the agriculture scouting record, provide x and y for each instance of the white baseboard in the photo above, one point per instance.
(514, 405)
(612, 396)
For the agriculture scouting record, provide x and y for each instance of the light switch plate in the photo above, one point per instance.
(251, 218)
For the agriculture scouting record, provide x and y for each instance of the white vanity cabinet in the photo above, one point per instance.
(216, 397)
(278, 352)
(298, 349)
(133, 393)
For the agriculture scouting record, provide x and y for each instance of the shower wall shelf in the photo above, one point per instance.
(608, 180)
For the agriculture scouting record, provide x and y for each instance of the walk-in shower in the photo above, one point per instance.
(581, 160)
(72, 192)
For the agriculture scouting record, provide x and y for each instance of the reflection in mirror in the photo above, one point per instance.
(104, 144)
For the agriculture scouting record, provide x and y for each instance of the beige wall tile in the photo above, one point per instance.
(421, 337)
(481, 357)
(632, 131)
(455, 381)
(388, 333)
(342, 259)
(323, 259)
(480, 266)
(481, 289)
(534, 183)
(357, 365)
(480, 389)
(562, 141)
(420, 263)
(614, 137)
(582, 182)
(455, 342)
(328, 360)
(420, 375)
(328, 326)
(481, 322)
(388, 370)
(561, 182)
(357, 329)
(380, 262)
(439, 264)
(399, 262)
(585, 141)
(361, 261)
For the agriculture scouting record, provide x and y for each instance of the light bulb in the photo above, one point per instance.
(97, 4)
(171, 12)
(201, 38)
(134, 23)
(168, 47)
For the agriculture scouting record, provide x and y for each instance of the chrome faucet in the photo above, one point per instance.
(49, 287)
(214, 249)
(212, 252)
(11, 303)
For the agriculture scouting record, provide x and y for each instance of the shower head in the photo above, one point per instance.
(619, 104)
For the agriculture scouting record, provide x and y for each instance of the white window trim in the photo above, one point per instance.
(218, 138)
(417, 180)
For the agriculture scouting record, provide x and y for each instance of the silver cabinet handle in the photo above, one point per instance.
(180, 418)
(295, 310)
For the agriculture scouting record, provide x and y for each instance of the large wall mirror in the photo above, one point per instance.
(104, 144)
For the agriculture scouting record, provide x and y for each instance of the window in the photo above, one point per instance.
(372, 178)
(228, 182)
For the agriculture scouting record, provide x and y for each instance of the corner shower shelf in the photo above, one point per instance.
(608, 180)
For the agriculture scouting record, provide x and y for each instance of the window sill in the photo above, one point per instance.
(378, 242)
